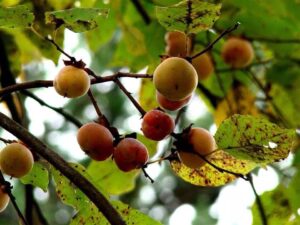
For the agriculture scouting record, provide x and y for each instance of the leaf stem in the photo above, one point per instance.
(219, 168)
(258, 201)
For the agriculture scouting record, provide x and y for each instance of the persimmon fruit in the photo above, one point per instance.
(16, 160)
(4, 199)
(203, 65)
(130, 154)
(71, 82)
(237, 52)
(157, 125)
(175, 78)
(177, 44)
(96, 141)
(201, 142)
(169, 104)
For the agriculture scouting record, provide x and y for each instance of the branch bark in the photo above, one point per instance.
(59, 163)
(49, 83)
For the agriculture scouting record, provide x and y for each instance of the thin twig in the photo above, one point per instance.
(39, 213)
(134, 102)
(60, 111)
(25, 85)
(267, 95)
(49, 83)
(32, 207)
(210, 46)
(179, 114)
(8, 188)
(258, 201)
(60, 164)
(101, 117)
(60, 49)
(142, 11)
(7, 141)
(146, 174)
(94, 102)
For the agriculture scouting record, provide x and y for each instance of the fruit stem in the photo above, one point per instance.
(72, 59)
(128, 94)
(146, 174)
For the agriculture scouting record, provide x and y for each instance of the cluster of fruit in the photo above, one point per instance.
(16, 160)
(175, 80)
(98, 142)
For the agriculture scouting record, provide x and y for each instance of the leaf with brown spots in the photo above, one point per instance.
(208, 175)
(111, 178)
(189, 16)
(76, 19)
(255, 139)
(68, 192)
(92, 216)
(20, 16)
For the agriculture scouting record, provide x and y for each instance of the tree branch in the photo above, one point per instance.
(211, 45)
(49, 83)
(8, 188)
(142, 11)
(60, 111)
(59, 163)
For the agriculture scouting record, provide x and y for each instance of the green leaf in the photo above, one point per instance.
(76, 19)
(110, 178)
(255, 139)
(165, 2)
(277, 208)
(282, 100)
(17, 16)
(147, 95)
(38, 176)
(68, 192)
(285, 21)
(91, 216)
(133, 216)
(207, 175)
(189, 16)
(150, 144)
(293, 192)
